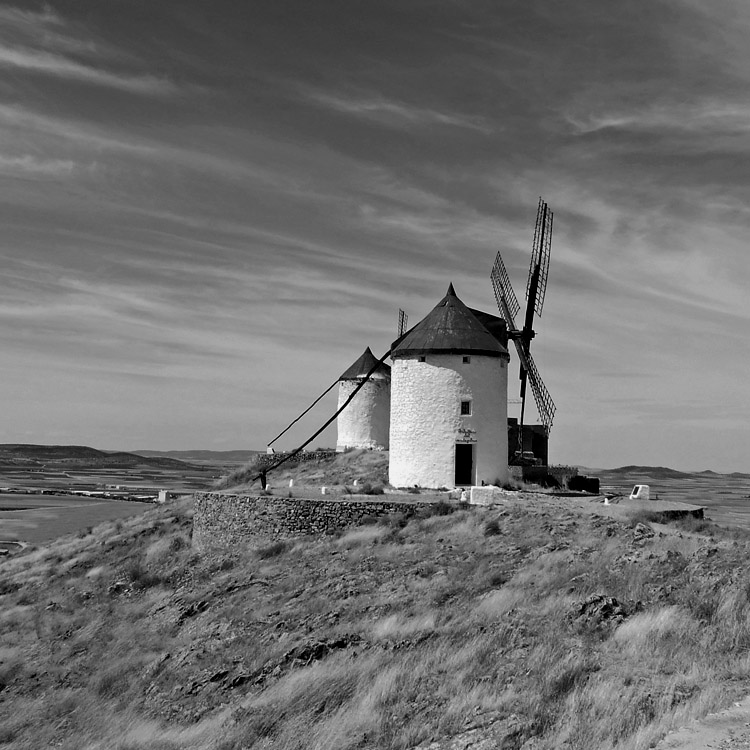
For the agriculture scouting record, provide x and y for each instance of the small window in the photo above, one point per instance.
(423, 359)
(467, 360)
(465, 408)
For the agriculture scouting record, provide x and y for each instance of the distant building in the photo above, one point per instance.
(365, 421)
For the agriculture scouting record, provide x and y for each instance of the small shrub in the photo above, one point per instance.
(497, 579)
(441, 508)
(694, 525)
(271, 550)
(396, 520)
(492, 528)
(370, 489)
(413, 490)
(227, 563)
(140, 577)
(177, 543)
(111, 682)
(8, 672)
(645, 517)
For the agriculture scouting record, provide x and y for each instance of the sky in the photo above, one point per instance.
(209, 209)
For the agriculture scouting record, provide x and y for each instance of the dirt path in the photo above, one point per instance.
(726, 730)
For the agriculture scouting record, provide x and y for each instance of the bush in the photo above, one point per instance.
(441, 508)
(140, 577)
(492, 528)
(271, 550)
(646, 517)
(177, 544)
(369, 489)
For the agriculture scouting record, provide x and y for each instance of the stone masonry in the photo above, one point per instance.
(224, 521)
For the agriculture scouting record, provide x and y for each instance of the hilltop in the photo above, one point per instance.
(652, 471)
(539, 624)
(232, 456)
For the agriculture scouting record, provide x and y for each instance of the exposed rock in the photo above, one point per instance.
(641, 533)
(599, 611)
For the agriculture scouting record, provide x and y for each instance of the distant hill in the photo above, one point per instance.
(238, 456)
(82, 455)
(661, 472)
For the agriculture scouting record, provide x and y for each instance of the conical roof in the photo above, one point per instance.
(450, 328)
(363, 365)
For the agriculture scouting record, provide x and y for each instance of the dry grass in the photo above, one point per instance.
(368, 468)
(556, 629)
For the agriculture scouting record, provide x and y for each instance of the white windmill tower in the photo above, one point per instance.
(449, 382)
(364, 422)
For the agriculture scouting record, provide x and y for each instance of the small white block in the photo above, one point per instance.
(488, 495)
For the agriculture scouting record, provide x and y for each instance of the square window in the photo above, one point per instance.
(465, 408)
(467, 360)
(423, 359)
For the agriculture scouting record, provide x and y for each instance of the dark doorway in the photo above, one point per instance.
(464, 464)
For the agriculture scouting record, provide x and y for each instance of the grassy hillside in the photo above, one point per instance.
(537, 625)
(337, 473)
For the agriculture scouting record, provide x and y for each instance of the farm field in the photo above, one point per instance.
(37, 483)
(36, 519)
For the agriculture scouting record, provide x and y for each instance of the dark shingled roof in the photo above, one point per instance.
(451, 328)
(363, 365)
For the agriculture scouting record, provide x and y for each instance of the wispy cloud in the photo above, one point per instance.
(63, 67)
(704, 117)
(43, 42)
(396, 114)
(31, 166)
(27, 121)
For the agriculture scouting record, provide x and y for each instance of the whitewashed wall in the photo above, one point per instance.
(365, 422)
(426, 420)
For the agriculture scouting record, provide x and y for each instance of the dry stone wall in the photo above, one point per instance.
(223, 521)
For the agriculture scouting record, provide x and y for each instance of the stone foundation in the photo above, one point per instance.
(223, 521)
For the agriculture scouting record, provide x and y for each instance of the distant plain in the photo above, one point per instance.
(726, 497)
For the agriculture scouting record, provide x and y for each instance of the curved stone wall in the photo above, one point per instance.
(223, 521)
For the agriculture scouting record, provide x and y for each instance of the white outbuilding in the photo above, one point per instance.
(364, 422)
(449, 413)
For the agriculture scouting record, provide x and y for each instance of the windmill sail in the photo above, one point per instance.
(507, 303)
(544, 403)
(402, 321)
(506, 299)
(536, 285)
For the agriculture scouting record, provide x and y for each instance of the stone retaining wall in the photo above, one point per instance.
(223, 521)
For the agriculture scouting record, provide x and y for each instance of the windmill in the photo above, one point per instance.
(507, 302)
